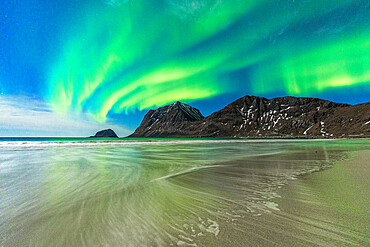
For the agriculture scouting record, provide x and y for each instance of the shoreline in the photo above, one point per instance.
(2, 138)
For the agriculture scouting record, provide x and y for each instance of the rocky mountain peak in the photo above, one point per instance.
(176, 112)
(170, 118)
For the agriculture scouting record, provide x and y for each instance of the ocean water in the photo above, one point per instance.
(151, 192)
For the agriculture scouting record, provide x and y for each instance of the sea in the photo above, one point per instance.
(164, 192)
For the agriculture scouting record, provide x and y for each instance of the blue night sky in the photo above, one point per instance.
(70, 68)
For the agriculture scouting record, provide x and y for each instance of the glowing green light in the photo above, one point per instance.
(339, 64)
(148, 53)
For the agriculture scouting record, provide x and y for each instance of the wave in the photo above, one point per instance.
(224, 164)
(67, 143)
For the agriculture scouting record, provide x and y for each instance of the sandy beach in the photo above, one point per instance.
(185, 193)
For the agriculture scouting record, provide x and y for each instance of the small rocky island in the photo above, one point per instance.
(105, 133)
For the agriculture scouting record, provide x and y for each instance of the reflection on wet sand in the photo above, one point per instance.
(193, 194)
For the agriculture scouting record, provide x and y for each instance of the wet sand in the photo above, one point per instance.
(325, 208)
(224, 193)
(336, 199)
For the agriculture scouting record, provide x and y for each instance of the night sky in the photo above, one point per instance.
(69, 68)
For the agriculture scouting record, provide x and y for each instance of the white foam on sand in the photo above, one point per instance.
(213, 228)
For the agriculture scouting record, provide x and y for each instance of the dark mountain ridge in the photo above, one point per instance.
(259, 117)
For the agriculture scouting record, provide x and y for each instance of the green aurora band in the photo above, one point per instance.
(142, 54)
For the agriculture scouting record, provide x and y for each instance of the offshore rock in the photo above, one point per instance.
(105, 133)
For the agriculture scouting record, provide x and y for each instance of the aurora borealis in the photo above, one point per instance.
(117, 59)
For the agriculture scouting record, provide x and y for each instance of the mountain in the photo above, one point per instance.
(168, 121)
(105, 133)
(259, 117)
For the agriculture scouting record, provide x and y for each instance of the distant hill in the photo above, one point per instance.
(258, 117)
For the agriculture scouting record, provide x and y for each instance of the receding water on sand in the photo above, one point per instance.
(160, 193)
